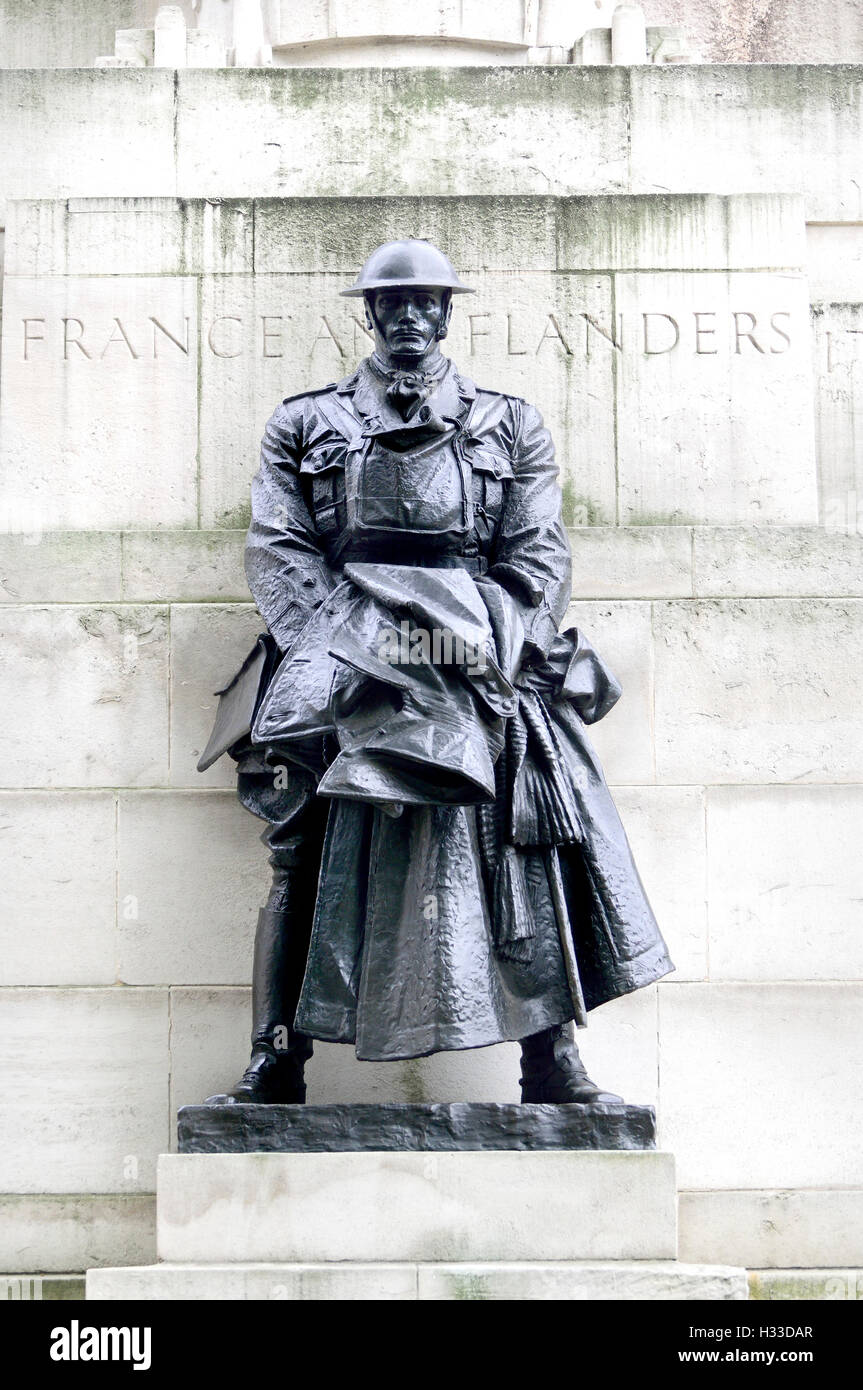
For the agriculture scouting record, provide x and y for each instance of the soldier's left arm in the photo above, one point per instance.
(531, 557)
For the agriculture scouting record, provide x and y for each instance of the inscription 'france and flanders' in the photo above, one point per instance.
(651, 333)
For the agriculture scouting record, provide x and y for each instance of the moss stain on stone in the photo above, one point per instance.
(238, 519)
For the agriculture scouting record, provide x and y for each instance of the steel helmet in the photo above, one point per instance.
(406, 263)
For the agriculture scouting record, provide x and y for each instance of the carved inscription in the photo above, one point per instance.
(652, 333)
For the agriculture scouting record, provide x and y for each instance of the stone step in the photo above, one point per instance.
(619, 1280)
(416, 1207)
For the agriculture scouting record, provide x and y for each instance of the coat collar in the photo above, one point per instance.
(365, 392)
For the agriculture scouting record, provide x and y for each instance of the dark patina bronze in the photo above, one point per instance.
(449, 868)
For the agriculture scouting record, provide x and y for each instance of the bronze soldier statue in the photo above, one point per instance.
(449, 870)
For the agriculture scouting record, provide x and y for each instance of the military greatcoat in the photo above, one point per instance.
(475, 883)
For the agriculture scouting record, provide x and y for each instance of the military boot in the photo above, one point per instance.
(553, 1073)
(279, 1053)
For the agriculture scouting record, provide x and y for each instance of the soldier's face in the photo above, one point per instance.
(407, 321)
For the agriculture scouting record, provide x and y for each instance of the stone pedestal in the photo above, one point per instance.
(409, 1128)
(417, 1202)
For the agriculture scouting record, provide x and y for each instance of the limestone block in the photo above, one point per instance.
(170, 37)
(288, 127)
(100, 381)
(628, 35)
(631, 561)
(754, 1084)
(130, 236)
(621, 633)
(205, 50)
(279, 335)
(58, 921)
(294, 1283)
(184, 565)
(743, 126)
(59, 33)
(839, 410)
(98, 677)
(715, 409)
(776, 561)
(772, 1229)
(209, 1043)
(190, 880)
(136, 44)
(415, 1206)
(835, 263)
(823, 1284)
(758, 690)
(85, 1093)
(70, 134)
(58, 566)
(64, 1231)
(618, 1280)
(208, 644)
(593, 48)
(619, 1047)
(785, 883)
(680, 231)
(295, 234)
(665, 827)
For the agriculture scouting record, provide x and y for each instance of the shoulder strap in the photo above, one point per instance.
(341, 419)
(485, 414)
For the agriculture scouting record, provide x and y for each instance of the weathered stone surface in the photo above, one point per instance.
(776, 562)
(622, 634)
(665, 827)
(68, 134)
(754, 1084)
(58, 914)
(838, 334)
(794, 129)
(130, 236)
(286, 127)
(190, 566)
(404, 1128)
(85, 1088)
(60, 33)
(772, 1229)
(834, 255)
(715, 409)
(100, 385)
(758, 690)
(532, 130)
(76, 1231)
(785, 883)
(821, 1284)
(179, 928)
(618, 1280)
(631, 562)
(208, 644)
(58, 566)
(415, 1206)
(100, 675)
